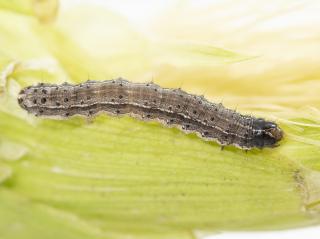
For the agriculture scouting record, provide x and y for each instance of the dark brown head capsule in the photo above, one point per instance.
(265, 134)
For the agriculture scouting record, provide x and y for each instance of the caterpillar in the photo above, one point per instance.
(148, 101)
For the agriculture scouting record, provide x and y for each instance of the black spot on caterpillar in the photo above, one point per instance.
(172, 107)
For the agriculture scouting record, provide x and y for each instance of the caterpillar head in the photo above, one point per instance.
(266, 133)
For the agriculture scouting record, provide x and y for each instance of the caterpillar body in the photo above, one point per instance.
(148, 101)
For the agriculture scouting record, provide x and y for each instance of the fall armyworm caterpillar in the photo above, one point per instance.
(149, 101)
